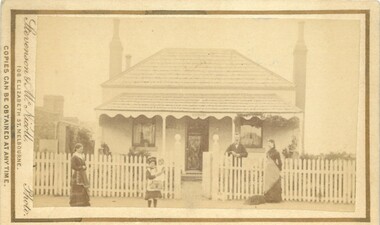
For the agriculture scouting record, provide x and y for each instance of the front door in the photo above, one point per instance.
(197, 143)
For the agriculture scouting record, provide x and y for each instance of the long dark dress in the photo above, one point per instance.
(272, 181)
(79, 195)
(273, 190)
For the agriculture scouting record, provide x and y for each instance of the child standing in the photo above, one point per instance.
(154, 187)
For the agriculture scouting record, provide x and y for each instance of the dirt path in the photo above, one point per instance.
(191, 198)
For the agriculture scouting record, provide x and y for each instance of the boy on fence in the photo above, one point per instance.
(154, 182)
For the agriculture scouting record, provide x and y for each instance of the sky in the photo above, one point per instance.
(73, 59)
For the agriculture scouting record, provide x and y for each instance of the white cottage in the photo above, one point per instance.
(187, 96)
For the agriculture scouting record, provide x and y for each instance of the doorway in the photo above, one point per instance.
(196, 144)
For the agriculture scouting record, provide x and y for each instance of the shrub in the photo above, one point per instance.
(329, 156)
(138, 152)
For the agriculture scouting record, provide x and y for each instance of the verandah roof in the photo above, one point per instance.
(196, 105)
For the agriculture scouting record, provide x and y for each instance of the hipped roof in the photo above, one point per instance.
(198, 68)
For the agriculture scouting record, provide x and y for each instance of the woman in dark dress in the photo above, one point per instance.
(272, 183)
(272, 178)
(79, 194)
(154, 185)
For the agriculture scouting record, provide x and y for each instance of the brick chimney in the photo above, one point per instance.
(299, 67)
(116, 51)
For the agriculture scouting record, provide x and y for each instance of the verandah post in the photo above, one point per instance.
(233, 129)
(177, 167)
(55, 177)
(164, 153)
(98, 137)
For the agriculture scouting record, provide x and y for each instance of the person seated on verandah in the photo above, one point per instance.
(237, 149)
(272, 181)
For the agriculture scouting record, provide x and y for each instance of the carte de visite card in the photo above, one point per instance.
(207, 112)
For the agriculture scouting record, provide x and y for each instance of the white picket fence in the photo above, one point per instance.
(109, 176)
(302, 180)
(319, 180)
(237, 180)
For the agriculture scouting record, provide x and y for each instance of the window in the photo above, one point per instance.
(251, 134)
(144, 132)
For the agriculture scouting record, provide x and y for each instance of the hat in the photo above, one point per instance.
(151, 159)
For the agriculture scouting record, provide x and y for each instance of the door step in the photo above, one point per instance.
(192, 176)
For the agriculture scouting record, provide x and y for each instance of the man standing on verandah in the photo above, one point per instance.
(237, 149)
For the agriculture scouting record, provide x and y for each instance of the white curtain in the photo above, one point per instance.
(144, 131)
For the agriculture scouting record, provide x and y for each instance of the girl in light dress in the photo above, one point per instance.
(154, 182)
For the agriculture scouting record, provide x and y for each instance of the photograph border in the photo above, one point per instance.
(365, 12)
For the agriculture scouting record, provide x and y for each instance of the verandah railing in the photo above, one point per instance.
(317, 180)
(109, 176)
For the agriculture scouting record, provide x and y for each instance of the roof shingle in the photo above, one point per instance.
(202, 68)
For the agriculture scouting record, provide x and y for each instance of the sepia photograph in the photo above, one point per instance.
(194, 112)
(232, 112)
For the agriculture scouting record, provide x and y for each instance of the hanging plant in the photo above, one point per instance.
(254, 121)
(279, 121)
(248, 116)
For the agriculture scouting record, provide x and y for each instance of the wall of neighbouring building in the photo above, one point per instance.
(48, 145)
(62, 136)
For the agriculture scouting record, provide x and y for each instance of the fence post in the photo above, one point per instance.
(144, 183)
(206, 174)
(285, 183)
(89, 170)
(68, 171)
(128, 176)
(215, 167)
(353, 181)
(55, 176)
(318, 181)
(323, 180)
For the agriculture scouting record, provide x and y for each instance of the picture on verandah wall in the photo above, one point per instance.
(176, 113)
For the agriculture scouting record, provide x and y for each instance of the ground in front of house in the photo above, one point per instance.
(51, 201)
(191, 199)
